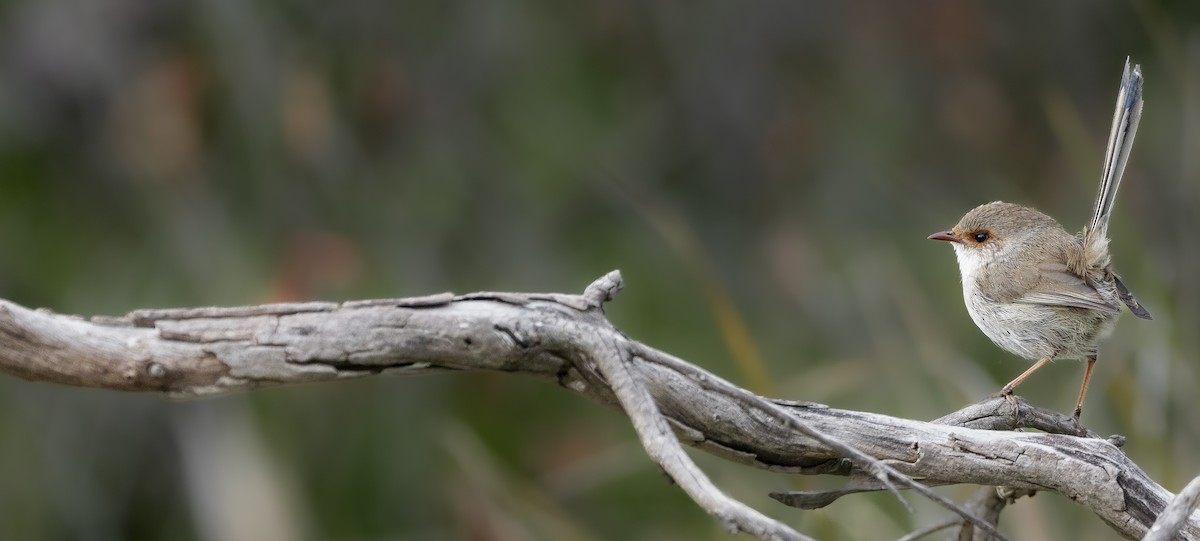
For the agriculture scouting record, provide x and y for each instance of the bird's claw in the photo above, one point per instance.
(1009, 397)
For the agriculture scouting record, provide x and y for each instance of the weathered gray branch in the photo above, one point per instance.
(1176, 514)
(566, 339)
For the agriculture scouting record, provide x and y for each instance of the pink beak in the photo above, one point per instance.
(947, 236)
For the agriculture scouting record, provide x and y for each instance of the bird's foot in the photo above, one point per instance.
(1080, 430)
(1007, 393)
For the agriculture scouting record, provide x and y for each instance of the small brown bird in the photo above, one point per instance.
(1036, 290)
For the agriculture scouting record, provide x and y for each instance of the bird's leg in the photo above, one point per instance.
(1008, 389)
(1087, 376)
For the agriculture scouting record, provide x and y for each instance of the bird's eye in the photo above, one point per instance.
(980, 236)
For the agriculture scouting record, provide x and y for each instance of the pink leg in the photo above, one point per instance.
(1008, 389)
(1087, 376)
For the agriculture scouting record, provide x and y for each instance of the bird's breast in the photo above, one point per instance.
(1036, 331)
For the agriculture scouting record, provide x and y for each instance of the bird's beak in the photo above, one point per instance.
(947, 236)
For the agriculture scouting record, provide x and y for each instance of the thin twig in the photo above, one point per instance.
(1171, 520)
(932, 528)
(875, 467)
(664, 448)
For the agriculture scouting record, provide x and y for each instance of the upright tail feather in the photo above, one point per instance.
(1120, 141)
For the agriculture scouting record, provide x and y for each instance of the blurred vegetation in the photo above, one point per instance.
(763, 173)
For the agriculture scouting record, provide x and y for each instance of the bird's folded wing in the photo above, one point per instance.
(1061, 287)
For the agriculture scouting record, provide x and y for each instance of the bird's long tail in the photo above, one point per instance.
(1120, 141)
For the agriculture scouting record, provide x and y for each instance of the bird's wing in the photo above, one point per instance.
(1059, 286)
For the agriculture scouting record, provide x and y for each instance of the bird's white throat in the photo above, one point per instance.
(972, 259)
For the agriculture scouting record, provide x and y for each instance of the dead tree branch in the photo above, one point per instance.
(1176, 514)
(566, 339)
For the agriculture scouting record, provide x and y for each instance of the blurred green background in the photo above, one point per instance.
(763, 173)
